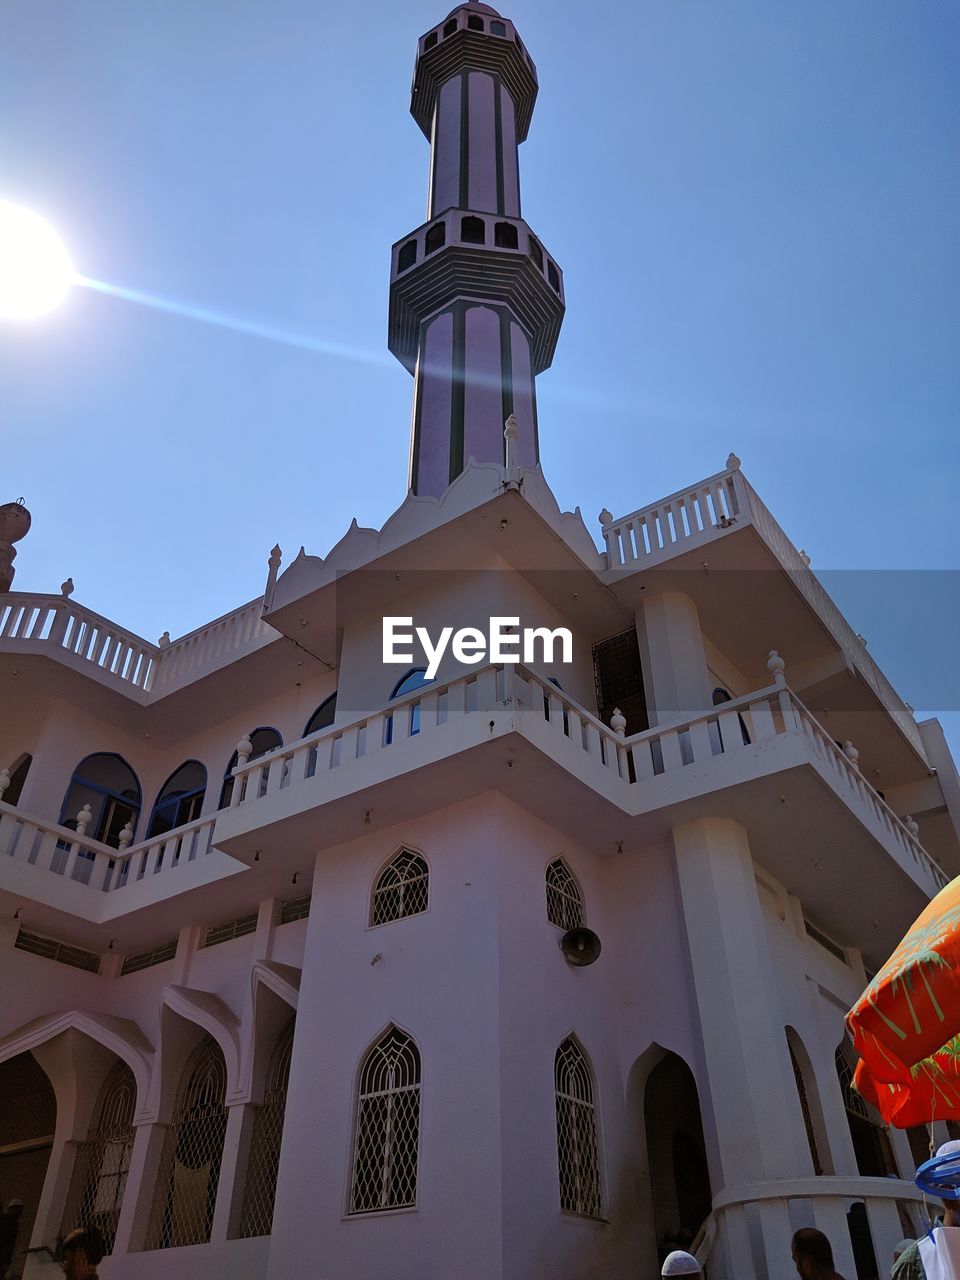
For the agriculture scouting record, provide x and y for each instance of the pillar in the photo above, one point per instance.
(674, 663)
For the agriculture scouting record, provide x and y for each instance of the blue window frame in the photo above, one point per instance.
(323, 717)
(264, 739)
(180, 799)
(416, 678)
(110, 787)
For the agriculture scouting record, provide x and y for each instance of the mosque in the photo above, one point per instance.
(512, 964)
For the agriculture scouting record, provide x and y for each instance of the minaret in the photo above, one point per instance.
(476, 302)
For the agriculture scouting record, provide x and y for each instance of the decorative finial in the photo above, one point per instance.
(4, 781)
(84, 818)
(276, 556)
(126, 835)
(805, 558)
(618, 722)
(67, 588)
(733, 462)
(776, 666)
(244, 750)
(511, 433)
(14, 525)
(605, 517)
(912, 826)
(851, 752)
(164, 640)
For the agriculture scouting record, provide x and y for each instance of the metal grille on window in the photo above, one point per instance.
(402, 889)
(190, 1163)
(261, 1186)
(577, 1152)
(102, 1162)
(805, 1109)
(388, 1126)
(564, 899)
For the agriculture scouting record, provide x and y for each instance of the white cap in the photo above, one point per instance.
(679, 1263)
(950, 1148)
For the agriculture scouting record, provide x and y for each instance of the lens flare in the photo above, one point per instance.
(35, 268)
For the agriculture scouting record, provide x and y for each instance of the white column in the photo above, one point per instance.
(676, 683)
(236, 1142)
(830, 1217)
(886, 1230)
(141, 1189)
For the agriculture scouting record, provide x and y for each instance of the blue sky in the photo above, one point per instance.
(755, 205)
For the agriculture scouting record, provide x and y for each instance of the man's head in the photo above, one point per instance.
(812, 1255)
(80, 1253)
(679, 1263)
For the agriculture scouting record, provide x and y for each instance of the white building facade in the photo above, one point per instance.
(280, 922)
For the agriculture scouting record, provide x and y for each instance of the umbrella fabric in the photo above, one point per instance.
(906, 1025)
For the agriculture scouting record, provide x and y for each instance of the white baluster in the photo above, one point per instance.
(618, 723)
(125, 837)
(244, 751)
(84, 818)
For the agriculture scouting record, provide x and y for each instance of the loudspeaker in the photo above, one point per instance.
(580, 946)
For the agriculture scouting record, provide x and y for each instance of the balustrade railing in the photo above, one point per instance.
(673, 524)
(55, 623)
(51, 847)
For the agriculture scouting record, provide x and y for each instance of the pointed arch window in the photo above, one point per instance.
(263, 739)
(103, 1160)
(577, 1149)
(110, 787)
(388, 1126)
(402, 889)
(564, 897)
(192, 1152)
(261, 1185)
(793, 1043)
(323, 717)
(180, 799)
(871, 1142)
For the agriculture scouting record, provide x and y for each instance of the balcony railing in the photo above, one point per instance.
(56, 626)
(709, 510)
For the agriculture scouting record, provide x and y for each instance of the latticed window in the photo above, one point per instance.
(805, 1109)
(402, 888)
(100, 1169)
(577, 1150)
(190, 1163)
(564, 899)
(261, 1187)
(388, 1126)
(871, 1142)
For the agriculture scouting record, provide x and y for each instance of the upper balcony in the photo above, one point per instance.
(762, 759)
(715, 539)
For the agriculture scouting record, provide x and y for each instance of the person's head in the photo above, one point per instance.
(812, 1255)
(80, 1252)
(680, 1263)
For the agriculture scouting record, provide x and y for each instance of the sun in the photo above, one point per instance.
(35, 268)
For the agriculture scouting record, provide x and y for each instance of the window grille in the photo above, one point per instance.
(192, 1151)
(577, 1152)
(388, 1126)
(261, 1186)
(822, 940)
(402, 889)
(230, 929)
(294, 909)
(871, 1142)
(50, 949)
(102, 1162)
(564, 899)
(145, 959)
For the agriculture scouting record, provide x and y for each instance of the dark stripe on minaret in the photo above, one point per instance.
(506, 376)
(498, 143)
(418, 413)
(458, 389)
(464, 139)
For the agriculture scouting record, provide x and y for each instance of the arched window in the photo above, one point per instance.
(871, 1143)
(18, 776)
(505, 236)
(553, 275)
(796, 1051)
(498, 29)
(472, 230)
(435, 238)
(720, 696)
(402, 889)
(577, 1150)
(414, 679)
(388, 1126)
(474, 23)
(323, 717)
(110, 787)
(192, 1151)
(449, 28)
(535, 252)
(564, 899)
(407, 255)
(261, 1186)
(264, 740)
(102, 1161)
(180, 799)
(429, 41)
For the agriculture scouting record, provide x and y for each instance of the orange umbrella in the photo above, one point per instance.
(906, 1025)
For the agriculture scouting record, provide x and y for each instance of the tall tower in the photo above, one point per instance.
(476, 302)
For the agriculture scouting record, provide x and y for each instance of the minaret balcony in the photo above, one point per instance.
(462, 253)
(473, 37)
